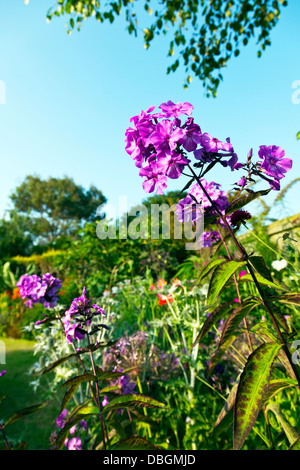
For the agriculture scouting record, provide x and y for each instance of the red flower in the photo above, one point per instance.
(163, 299)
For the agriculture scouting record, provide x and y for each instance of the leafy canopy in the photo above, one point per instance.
(205, 34)
(56, 207)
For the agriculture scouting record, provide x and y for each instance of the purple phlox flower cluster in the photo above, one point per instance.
(38, 289)
(154, 143)
(273, 164)
(212, 149)
(83, 310)
(75, 442)
(2, 373)
(208, 238)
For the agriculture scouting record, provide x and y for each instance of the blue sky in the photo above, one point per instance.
(69, 100)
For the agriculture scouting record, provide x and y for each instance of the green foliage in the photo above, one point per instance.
(206, 33)
(55, 208)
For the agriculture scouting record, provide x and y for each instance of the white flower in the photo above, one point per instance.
(279, 264)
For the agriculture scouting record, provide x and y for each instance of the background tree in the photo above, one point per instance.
(207, 33)
(14, 239)
(55, 208)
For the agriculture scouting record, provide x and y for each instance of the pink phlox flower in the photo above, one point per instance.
(212, 144)
(172, 165)
(154, 178)
(165, 137)
(273, 163)
(192, 137)
(171, 109)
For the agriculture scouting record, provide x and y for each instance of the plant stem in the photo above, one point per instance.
(237, 290)
(4, 437)
(97, 392)
(244, 256)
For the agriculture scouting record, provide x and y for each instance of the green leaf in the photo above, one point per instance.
(269, 337)
(68, 395)
(259, 264)
(276, 386)
(212, 319)
(261, 280)
(78, 414)
(63, 359)
(289, 299)
(235, 319)
(291, 433)
(253, 385)
(134, 400)
(220, 277)
(209, 268)
(225, 418)
(218, 353)
(78, 380)
(246, 199)
(24, 412)
(134, 442)
(296, 445)
(278, 315)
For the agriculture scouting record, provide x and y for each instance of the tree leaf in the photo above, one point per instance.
(220, 276)
(253, 385)
(135, 443)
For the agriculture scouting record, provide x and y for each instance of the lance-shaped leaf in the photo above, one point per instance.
(220, 277)
(253, 385)
(296, 445)
(261, 280)
(63, 359)
(132, 400)
(289, 299)
(235, 319)
(213, 264)
(266, 335)
(79, 379)
(278, 315)
(24, 412)
(225, 418)
(134, 443)
(68, 395)
(78, 414)
(291, 433)
(218, 353)
(259, 264)
(276, 386)
(212, 319)
(244, 200)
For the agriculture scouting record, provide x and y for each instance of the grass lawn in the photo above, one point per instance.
(34, 429)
